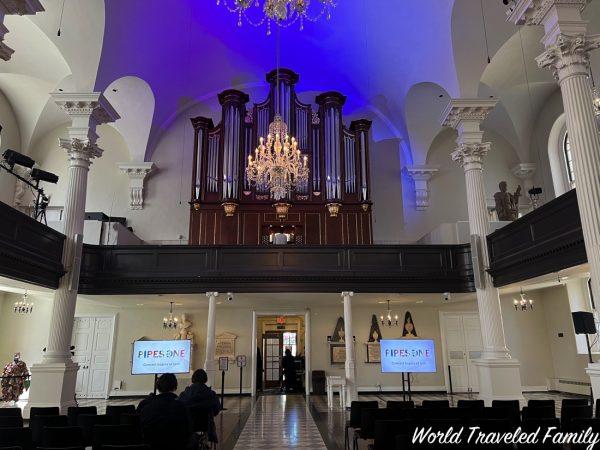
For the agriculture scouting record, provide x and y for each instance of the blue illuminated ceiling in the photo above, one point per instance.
(193, 49)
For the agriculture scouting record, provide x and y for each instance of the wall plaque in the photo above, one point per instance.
(225, 345)
(373, 352)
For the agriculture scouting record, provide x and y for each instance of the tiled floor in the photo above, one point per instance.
(280, 422)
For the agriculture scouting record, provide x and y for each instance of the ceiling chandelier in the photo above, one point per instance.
(387, 319)
(523, 303)
(23, 306)
(278, 165)
(170, 321)
(284, 13)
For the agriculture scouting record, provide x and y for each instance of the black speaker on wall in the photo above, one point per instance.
(584, 322)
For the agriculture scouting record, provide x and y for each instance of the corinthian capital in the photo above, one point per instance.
(569, 52)
(470, 155)
(80, 150)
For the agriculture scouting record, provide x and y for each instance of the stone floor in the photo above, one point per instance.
(288, 421)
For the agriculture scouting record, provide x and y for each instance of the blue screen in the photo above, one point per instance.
(407, 355)
(156, 357)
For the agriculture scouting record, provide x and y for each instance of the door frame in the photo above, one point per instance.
(443, 315)
(254, 344)
(114, 317)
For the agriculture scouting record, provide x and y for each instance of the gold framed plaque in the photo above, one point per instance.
(373, 352)
(337, 353)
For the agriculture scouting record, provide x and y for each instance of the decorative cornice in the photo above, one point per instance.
(533, 12)
(466, 109)
(470, 154)
(86, 104)
(523, 171)
(421, 175)
(20, 7)
(137, 173)
(14, 7)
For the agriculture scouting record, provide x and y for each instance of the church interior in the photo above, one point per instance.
(356, 220)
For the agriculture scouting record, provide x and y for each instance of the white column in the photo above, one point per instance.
(499, 376)
(350, 364)
(579, 300)
(307, 366)
(53, 380)
(253, 350)
(567, 54)
(209, 363)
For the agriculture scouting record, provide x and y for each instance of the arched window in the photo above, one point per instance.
(568, 160)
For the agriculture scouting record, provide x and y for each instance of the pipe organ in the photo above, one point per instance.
(334, 207)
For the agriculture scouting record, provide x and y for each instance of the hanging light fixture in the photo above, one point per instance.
(387, 319)
(523, 303)
(23, 306)
(170, 321)
(284, 13)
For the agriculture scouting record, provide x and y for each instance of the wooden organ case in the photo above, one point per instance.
(338, 159)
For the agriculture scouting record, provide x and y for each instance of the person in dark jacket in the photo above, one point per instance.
(198, 394)
(289, 370)
(165, 420)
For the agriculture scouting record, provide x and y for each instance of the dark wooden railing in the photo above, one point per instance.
(29, 250)
(546, 240)
(188, 269)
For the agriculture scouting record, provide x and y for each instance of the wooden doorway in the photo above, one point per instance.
(272, 351)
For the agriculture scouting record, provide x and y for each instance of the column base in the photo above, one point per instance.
(499, 379)
(593, 370)
(351, 391)
(52, 384)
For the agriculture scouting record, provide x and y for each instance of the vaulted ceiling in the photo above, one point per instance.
(393, 60)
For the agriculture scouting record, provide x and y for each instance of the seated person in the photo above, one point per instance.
(165, 420)
(199, 394)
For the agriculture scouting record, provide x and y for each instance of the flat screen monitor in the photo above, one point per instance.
(158, 357)
(407, 355)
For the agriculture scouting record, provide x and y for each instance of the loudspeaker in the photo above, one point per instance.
(584, 322)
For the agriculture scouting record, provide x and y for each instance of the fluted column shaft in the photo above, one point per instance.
(350, 364)
(209, 363)
(568, 58)
(470, 155)
(63, 308)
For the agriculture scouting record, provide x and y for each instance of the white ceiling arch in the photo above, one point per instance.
(44, 62)
(423, 107)
(134, 100)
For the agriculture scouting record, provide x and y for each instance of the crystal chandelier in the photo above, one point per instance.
(387, 319)
(284, 13)
(23, 306)
(169, 321)
(523, 303)
(278, 165)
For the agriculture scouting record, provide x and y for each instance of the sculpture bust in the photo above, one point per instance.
(185, 331)
(507, 204)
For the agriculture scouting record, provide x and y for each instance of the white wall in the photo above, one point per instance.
(9, 139)
(531, 336)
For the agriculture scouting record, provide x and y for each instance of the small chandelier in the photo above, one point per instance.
(387, 319)
(169, 321)
(278, 165)
(23, 306)
(284, 13)
(523, 303)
